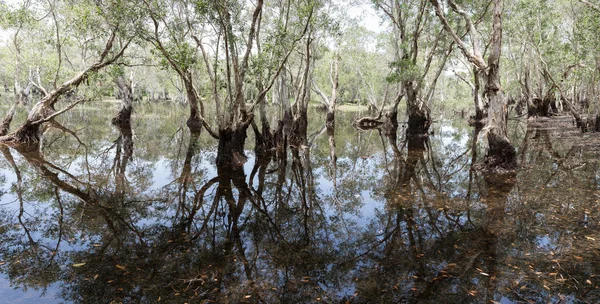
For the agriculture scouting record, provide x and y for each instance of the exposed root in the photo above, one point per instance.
(501, 156)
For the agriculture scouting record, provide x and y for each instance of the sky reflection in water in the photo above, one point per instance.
(374, 224)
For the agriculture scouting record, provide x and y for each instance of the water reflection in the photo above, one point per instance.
(334, 215)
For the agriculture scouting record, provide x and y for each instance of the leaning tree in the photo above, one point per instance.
(111, 26)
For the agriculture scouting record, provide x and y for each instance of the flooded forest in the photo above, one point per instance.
(299, 151)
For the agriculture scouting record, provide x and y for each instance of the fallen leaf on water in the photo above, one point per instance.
(78, 264)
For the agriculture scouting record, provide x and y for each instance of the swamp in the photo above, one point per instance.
(299, 151)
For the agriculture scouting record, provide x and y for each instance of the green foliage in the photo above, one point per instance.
(403, 70)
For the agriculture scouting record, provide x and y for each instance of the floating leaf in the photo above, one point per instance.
(78, 264)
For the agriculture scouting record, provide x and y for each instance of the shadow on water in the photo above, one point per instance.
(336, 217)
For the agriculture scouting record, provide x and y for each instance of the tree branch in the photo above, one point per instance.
(591, 5)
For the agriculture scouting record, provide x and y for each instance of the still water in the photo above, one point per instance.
(99, 216)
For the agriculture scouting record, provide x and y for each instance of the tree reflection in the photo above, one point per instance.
(287, 229)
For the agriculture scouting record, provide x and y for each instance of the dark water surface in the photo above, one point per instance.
(352, 217)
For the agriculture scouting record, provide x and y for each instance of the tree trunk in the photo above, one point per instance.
(230, 153)
(479, 111)
(194, 122)
(501, 153)
(418, 114)
(123, 117)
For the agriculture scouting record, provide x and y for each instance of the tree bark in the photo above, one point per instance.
(501, 153)
(123, 117)
(230, 153)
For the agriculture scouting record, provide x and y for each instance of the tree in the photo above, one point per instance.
(116, 30)
(501, 153)
(417, 41)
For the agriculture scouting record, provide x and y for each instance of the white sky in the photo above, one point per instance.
(368, 17)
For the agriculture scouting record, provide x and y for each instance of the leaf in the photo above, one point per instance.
(78, 264)
(121, 267)
(484, 274)
(588, 281)
(590, 238)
